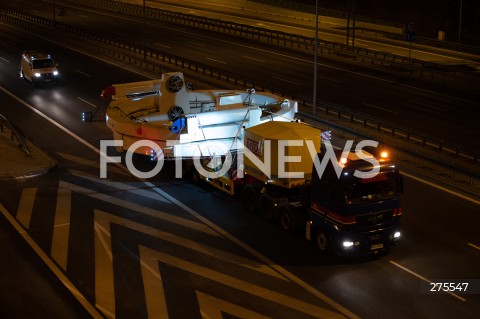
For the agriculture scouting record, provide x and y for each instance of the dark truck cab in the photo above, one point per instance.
(355, 216)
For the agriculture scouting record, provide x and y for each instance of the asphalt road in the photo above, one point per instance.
(444, 114)
(119, 239)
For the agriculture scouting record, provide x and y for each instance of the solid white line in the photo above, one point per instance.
(51, 265)
(162, 45)
(254, 59)
(442, 188)
(474, 246)
(424, 279)
(197, 44)
(427, 105)
(288, 81)
(61, 235)
(329, 79)
(85, 101)
(83, 73)
(4, 60)
(216, 60)
(380, 108)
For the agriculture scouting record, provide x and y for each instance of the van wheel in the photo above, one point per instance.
(33, 82)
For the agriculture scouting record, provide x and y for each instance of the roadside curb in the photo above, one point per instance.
(16, 164)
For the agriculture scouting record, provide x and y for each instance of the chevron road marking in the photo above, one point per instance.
(121, 186)
(212, 307)
(61, 227)
(104, 259)
(151, 257)
(25, 207)
(51, 265)
(93, 164)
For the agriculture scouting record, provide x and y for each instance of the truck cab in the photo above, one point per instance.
(355, 216)
(38, 67)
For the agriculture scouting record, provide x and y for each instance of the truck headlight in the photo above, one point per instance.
(396, 235)
(55, 73)
(37, 75)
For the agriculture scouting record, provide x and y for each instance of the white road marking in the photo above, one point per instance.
(197, 44)
(83, 73)
(457, 194)
(261, 292)
(254, 59)
(442, 109)
(214, 308)
(424, 279)
(380, 108)
(51, 265)
(93, 164)
(216, 61)
(284, 80)
(61, 230)
(4, 59)
(474, 246)
(86, 102)
(280, 269)
(329, 79)
(162, 45)
(25, 208)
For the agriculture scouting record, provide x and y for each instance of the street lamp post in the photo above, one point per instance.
(315, 59)
(460, 21)
(144, 27)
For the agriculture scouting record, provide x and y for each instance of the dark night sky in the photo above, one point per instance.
(429, 16)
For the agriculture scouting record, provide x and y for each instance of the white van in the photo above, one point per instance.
(38, 67)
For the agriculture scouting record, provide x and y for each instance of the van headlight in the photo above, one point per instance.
(55, 73)
(347, 244)
(37, 75)
(396, 235)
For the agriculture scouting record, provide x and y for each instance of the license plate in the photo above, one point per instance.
(377, 246)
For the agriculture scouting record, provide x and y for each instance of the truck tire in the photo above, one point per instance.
(250, 199)
(267, 210)
(321, 240)
(290, 220)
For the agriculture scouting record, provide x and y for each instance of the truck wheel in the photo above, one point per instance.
(321, 240)
(250, 199)
(266, 208)
(285, 218)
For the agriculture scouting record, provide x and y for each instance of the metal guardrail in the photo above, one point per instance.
(156, 62)
(417, 68)
(15, 137)
(410, 156)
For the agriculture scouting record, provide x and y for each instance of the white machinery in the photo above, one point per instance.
(184, 122)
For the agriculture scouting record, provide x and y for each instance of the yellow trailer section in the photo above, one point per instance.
(283, 152)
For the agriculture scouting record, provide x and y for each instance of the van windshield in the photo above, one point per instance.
(43, 64)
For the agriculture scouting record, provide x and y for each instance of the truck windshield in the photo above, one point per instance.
(359, 191)
(43, 63)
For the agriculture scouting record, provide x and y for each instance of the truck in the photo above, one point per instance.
(277, 177)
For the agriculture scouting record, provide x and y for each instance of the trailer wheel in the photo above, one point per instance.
(266, 208)
(250, 199)
(194, 176)
(321, 240)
